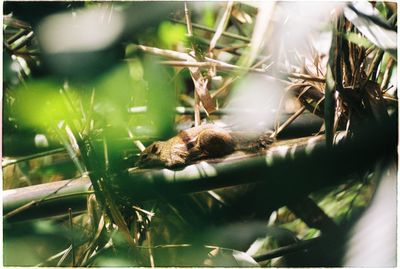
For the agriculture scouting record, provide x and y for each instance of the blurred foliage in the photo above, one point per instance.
(171, 34)
(208, 17)
(37, 112)
(29, 244)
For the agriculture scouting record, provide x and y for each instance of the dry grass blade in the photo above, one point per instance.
(259, 34)
(386, 75)
(374, 65)
(119, 219)
(305, 77)
(227, 82)
(188, 61)
(200, 84)
(222, 25)
(375, 101)
(150, 250)
(93, 244)
(201, 93)
(288, 121)
(197, 107)
(317, 104)
(230, 80)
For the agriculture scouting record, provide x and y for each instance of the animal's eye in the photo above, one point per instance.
(144, 155)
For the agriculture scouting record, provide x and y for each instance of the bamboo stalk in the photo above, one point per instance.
(288, 163)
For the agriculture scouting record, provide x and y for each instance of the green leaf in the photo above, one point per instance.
(358, 40)
(171, 34)
(208, 16)
(39, 104)
(114, 93)
(161, 96)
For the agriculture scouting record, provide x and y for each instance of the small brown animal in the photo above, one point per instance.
(197, 143)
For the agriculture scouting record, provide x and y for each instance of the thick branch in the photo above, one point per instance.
(287, 172)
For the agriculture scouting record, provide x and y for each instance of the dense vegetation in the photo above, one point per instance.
(88, 85)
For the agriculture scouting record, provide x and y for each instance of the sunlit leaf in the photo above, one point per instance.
(162, 96)
(369, 22)
(39, 104)
(358, 39)
(228, 257)
(115, 92)
(208, 17)
(243, 259)
(171, 34)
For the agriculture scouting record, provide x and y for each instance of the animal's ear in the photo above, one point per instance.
(154, 148)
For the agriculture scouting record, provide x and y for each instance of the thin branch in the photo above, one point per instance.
(17, 36)
(55, 256)
(227, 82)
(204, 28)
(186, 57)
(62, 259)
(278, 252)
(23, 41)
(387, 74)
(6, 163)
(13, 22)
(197, 116)
(288, 121)
(165, 53)
(230, 80)
(181, 110)
(305, 77)
(197, 78)
(374, 65)
(72, 236)
(39, 202)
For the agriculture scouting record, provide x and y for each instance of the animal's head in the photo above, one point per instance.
(151, 156)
